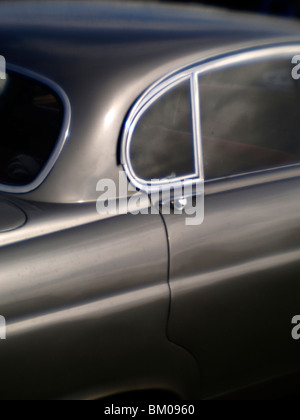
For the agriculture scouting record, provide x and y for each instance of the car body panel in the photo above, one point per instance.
(74, 297)
(235, 284)
(100, 305)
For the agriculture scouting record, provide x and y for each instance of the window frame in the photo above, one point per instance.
(61, 140)
(143, 104)
(193, 73)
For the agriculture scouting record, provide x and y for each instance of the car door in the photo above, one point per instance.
(234, 271)
(235, 278)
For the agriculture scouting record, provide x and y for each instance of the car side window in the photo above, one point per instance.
(162, 142)
(249, 118)
(31, 118)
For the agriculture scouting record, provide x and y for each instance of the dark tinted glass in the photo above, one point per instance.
(162, 145)
(250, 118)
(31, 116)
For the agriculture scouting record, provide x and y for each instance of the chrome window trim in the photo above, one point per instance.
(256, 55)
(138, 111)
(197, 133)
(257, 172)
(193, 72)
(62, 138)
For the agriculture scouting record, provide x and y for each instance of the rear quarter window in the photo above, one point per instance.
(31, 119)
(162, 143)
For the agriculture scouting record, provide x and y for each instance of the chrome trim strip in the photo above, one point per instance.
(274, 52)
(193, 71)
(196, 105)
(255, 173)
(62, 138)
(140, 108)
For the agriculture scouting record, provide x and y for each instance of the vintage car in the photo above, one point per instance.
(97, 304)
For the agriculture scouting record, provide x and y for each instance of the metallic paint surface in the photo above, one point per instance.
(235, 284)
(87, 297)
(11, 217)
(104, 56)
(85, 314)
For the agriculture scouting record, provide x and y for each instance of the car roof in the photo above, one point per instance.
(104, 56)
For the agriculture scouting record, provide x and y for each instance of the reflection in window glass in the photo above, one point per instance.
(162, 144)
(250, 118)
(31, 117)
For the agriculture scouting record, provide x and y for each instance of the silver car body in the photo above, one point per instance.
(104, 305)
